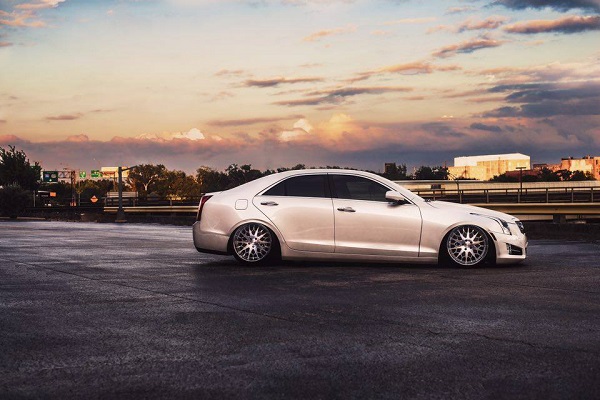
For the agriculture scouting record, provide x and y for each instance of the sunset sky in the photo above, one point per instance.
(91, 83)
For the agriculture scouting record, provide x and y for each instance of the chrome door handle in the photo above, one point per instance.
(269, 203)
(346, 209)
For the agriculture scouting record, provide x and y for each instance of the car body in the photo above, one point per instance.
(334, 214)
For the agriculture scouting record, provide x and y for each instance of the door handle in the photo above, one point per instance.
(269, 203)
(346, 209)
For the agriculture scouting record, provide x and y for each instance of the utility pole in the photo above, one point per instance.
(120, 210)
(520, 183)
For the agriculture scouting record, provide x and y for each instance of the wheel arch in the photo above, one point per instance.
(271, 227)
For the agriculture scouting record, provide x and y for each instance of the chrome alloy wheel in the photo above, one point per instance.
(252, 242)
(467, 245)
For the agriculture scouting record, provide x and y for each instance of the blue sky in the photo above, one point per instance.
(275, 82)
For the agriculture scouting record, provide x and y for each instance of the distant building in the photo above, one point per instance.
(586, 164)
(485, 167)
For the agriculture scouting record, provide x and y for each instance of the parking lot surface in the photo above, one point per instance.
(133, 311)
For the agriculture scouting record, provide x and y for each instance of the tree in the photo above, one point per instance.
(13, 200)
(143, 176)
(15, 169)
(397, 173)
(428, 173)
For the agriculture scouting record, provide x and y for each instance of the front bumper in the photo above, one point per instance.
(510, 249)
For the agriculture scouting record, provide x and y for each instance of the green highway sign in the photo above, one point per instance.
(96, 173)
(50, 176)
(82, 174)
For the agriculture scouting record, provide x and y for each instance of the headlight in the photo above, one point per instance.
(503, 224)
(520, 225)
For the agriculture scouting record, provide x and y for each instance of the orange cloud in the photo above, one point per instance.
(328, 32)
(569, 24)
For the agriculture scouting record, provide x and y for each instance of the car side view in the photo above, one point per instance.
(350, 215)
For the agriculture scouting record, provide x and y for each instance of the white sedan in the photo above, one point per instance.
(350, 215)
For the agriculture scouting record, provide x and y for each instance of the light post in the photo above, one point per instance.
(456, 180)
(520, 183)
(120, 210)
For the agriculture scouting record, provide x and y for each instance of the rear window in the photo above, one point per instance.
(301, 186)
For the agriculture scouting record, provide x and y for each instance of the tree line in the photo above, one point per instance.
(19, 177)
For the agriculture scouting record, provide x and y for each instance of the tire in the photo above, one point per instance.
(254, 244)
(467, 246)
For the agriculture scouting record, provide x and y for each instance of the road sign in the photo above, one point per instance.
(96, 173)
(82, 174)
(50, 176)
(94, 199)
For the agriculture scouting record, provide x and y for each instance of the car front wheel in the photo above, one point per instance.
(254, 243)
(467, 246)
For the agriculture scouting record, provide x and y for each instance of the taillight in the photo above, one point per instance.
(203, 200)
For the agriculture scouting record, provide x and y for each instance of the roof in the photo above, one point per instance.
(473, 160)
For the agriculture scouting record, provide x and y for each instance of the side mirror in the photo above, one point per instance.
(396, 197)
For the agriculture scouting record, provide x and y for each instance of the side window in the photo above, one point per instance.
(301, 186)
(358, 188)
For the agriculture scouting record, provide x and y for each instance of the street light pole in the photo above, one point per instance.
(120, 210)
(520, 183)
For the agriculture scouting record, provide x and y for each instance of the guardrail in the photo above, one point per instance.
(154, 210)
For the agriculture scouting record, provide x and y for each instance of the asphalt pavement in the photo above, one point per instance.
(93, 310)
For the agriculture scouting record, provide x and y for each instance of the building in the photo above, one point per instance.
(586, 164)
(485, 167)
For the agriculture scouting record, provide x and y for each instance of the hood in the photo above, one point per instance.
(445, 205)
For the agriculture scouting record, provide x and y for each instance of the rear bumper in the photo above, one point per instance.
(209, 242)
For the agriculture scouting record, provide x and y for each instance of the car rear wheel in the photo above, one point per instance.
(467, 246)
(254, 243)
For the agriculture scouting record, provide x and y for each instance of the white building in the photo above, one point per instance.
(485, 167)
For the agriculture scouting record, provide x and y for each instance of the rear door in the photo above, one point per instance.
(302, 209)
(367, 223)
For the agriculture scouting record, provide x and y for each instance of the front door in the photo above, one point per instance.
(367, 223)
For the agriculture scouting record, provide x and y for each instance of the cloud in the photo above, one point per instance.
(472, 24)
(484, 127)
(569, 24)
(193, 134)
(39, 4)
(554, 72)
(339, 95)
(457, 10)
(250, 121)
(231, 72)
(545, 100)
(468, 46)
(316, 36)
(405, 21)
(20, 19)
(560, 5)
(271, 82)
(339, 140)
(64, 117)
(301, 128)
(5, 44)
(413, 68)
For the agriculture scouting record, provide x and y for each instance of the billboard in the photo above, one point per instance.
(96, 174)
(82, 174)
